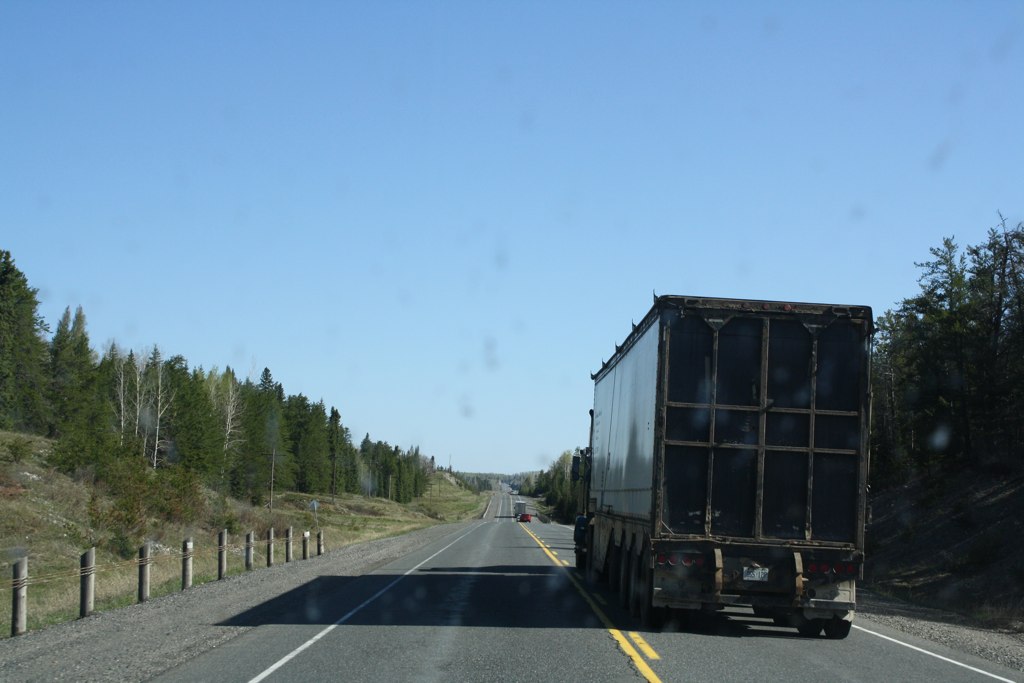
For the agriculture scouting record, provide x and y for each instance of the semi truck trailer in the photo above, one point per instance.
(728, 462)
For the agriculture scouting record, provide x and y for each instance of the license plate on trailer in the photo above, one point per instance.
(755, 573)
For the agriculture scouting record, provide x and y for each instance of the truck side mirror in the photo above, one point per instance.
(576, 468)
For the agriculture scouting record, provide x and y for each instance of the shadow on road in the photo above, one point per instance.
(514, 596)
(497, 596)
(728, 624)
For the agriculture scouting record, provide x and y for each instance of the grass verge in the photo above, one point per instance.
(43, 515)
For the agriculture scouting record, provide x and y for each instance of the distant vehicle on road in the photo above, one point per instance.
(519, 509)
(525, 517)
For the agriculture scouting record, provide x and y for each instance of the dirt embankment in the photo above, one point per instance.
(956, 543)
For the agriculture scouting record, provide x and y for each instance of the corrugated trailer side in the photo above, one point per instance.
(623, 438)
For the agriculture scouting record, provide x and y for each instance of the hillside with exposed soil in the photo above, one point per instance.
(954, 543)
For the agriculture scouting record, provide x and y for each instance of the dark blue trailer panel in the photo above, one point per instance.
(765, 422)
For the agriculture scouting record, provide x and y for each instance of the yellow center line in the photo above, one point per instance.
(644, 646)
(623, 642)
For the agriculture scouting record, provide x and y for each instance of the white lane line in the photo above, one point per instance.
(291, 655)
(932, 654)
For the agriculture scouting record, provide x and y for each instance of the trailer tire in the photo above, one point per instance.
(651, 617)
(809, 628)
(594, 573)
(625, 575)
(613, 565)
(837, 629)
(635, 587)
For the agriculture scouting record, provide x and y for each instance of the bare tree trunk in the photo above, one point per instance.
(227, 400)
(140, 399)
(122, 399)
(158, 398)
(120, 392)
(232, 423)
(161, 402)
(273, 458)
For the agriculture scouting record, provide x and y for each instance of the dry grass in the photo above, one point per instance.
(43, 514)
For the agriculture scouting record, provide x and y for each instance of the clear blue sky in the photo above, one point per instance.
(440, 217)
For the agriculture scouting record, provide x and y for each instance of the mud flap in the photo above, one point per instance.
(719, 569)
(798, 584)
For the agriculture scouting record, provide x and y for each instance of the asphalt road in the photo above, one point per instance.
(498, 600)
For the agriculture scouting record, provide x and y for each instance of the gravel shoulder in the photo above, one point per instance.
(139, 642)
(952, 630)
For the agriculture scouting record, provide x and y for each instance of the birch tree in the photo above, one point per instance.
(160, 402)
(119, 372)
(226, 396)
(138, 397)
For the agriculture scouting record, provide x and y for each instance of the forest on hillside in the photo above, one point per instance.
(155, 431)
(948, 365)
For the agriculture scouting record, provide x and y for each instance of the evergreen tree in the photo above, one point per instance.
(344, 459)
(948, 365)
(193, 430)
(23, 353)
(263, 461)
(72, 369)
(368, 466)
(334, 448)
(308, 442)
(90, 439)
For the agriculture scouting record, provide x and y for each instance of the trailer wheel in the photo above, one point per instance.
(809, 628)
(594, 573)
(613, 564)
(635, 587)
(652, 617)
(837, 629)
(625, 571)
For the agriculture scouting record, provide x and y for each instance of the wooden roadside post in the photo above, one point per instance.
(186, 564)
(270, 547)
(19, 597)
(250, 541)
(288, 544)
(314, 505)
(222, 554)
(144, 560)
(87, 583)
(305, 545)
